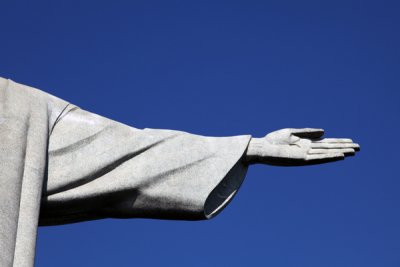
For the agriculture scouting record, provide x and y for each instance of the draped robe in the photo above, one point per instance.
(60, 164)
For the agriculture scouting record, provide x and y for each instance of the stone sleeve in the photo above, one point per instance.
(99, 168)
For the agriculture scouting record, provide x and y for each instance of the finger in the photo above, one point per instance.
(334, 140)
(333, 156)
(336, 145)
(311, 133)
(345, 151)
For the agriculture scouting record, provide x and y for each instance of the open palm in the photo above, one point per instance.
(293, 147)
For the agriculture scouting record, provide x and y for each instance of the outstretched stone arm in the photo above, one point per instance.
(75, 166)
(99, 168)
(295, 147)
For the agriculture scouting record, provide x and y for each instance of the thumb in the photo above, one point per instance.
(312, 133)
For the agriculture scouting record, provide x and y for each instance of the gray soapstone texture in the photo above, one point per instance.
(72, 165)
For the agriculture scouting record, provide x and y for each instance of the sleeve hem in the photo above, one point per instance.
(226, 189)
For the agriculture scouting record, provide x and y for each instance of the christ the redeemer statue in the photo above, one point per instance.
(60, 164)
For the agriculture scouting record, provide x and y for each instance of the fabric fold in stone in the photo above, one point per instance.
(73, 165)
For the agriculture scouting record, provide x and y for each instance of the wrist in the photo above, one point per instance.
(255, 150)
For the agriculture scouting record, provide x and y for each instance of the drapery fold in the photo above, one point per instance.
(73, 165)
(26, 115)
(99, 168)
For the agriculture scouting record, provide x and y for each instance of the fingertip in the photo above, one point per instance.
(357, 148)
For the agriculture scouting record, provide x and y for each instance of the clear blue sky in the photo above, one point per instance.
(229, 68)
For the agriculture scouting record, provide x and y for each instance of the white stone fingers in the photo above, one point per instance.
(334, 140)
(330, 156)
(335, 145)
(330, 151)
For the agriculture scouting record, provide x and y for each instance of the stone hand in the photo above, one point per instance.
(295, 147)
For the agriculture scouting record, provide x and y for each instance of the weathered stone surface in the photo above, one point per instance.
(73, 166)
(91, 167)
